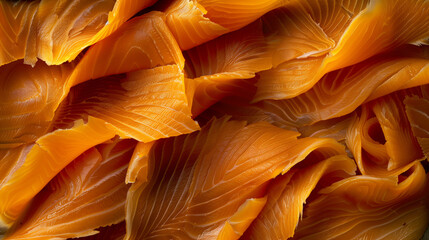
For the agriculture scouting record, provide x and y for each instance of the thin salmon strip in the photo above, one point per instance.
(381, 139)
(189, 25)
(364, 207)
(287, 195)
(29, 97)
(417, 109)
(145, 105)
(88, 193)
(141, 43)
(226, 66)
(197, 182)
(60, 30)
(16, 21)
(365, 35)
(44, 161)
(194, 22)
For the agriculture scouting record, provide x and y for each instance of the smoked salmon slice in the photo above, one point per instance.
(88, 193)
(44, 161)
(60, 30)
(287, 195)
(363, 33)
(194, 22)
(141, 43)
(226, 66)
(417, 109)
(28, 100)
(196, 183)
(214, 119)
(368, 207)
(145, 105)
(381, 139)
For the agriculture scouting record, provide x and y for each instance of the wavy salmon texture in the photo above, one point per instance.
(186, 20)
(226, 66)
(10, 160)
(198, 183)
(29, 98)
(417, 109)
(138, 167)
(90, 192)
(145, 105)
(304, 32)
(60, 30)
(143, 42)
(287, 195)
(194, 22)
(365, 30)
(381, 138)
(16, 19)
(369, 207)
(340, 92)
(44, 161)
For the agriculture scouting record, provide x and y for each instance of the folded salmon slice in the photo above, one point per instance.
(143, 42)
(381, 139)
(365, 30)
(16, 21)
(417, 109)
(226, 66)
(304, 32)
(189, 25)
(194, 22)
(340, 92)
(369, 207)
(88, 193)
(198, 183)
(60, 30)
(29, 97)
(44, 161)
(287, 195)
(145, 105)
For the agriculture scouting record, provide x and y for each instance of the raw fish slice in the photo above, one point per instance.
(65, 28)
(401, 144)
(340, 92)
(141, 43)
(365, 207)
(382, 26)
(197, 182)
(16, 20)
(289, 79)
(219, 68)
(237, 224)
(89, 193)
(10, 160)
(29, 98)
(295, 34)
(194, 22)
(138, 167)
(235, 14)
(188, 23)
(335, 128)
(145, 105)
(323, 22)
(417, 109)
(48, 156)
(381, 138)
(287, 195)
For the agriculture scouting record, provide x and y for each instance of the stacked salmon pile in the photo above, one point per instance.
(214, 119)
